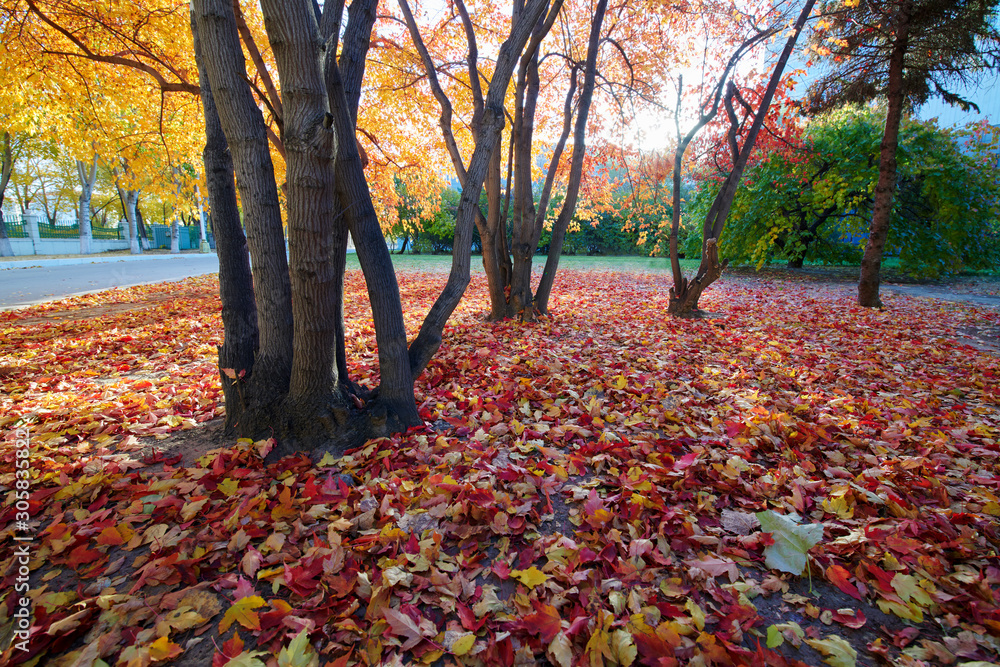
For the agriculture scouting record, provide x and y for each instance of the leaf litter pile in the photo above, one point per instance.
(797, 480)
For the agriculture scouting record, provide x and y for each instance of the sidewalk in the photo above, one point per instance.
(25, 261)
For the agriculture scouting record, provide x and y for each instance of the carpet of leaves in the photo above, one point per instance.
(583, 493)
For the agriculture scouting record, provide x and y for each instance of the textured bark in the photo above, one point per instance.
(871, 261)
(493, 237)
(246, 137)
(309, 187)
(175, 236)
(130, 200)
(357, 39)
(236, 288)
(576, 164)
(87, 180)
(395, 393)
(520, 302)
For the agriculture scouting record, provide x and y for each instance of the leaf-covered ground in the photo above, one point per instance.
(584, 491)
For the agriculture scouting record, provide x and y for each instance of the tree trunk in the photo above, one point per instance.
(87, 180)
(316, 411)
(493, 237)
(6, 168)
(428, 340)
(246, 136)
(175, 237)
(520, 303)
(395, 408)
(885, 190)
(130, 199)
(685, 295)
(236, 288)
(576, 163)
(202, 218)
(144, 243)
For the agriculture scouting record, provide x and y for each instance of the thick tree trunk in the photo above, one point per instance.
(236, 288)
(885, 190)
(520, 303)
(493, 237)
(576, 163)
(246, 137)
(314, 406)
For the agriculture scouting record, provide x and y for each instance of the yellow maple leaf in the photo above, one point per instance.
(531, 577)
(243, 612)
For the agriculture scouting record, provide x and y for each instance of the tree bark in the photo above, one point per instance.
(175, 237)
(130, 200)
(357, 40)
(493, 237)
(396, 396)
(246, 137)
(576, 164)
(520, 301)
(87, 180)
(885, 190)
(236, 288)
(313, 405)
(6, 168)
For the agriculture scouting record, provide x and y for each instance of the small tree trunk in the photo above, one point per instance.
(87, 180)
(130, 199)
(871, 261)
(6, 249)
(685, 295)
(6, 168)
(175, 237)
(576, 163)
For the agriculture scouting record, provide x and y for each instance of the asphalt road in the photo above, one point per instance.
(25, 286)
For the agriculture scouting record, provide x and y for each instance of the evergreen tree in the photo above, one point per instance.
(903, 51)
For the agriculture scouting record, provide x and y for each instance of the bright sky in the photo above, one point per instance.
(986, 95)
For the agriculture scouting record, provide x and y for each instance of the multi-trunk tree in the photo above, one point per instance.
(905, 52)
(286, 345)
(562, 66)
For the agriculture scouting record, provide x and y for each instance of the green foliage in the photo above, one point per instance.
(432, 233)
(606, 234)
(814, 204)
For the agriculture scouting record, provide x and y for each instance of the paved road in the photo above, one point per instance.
(25, 286)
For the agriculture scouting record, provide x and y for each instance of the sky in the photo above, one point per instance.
(986, 95)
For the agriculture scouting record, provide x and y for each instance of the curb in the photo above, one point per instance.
(21, 264)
